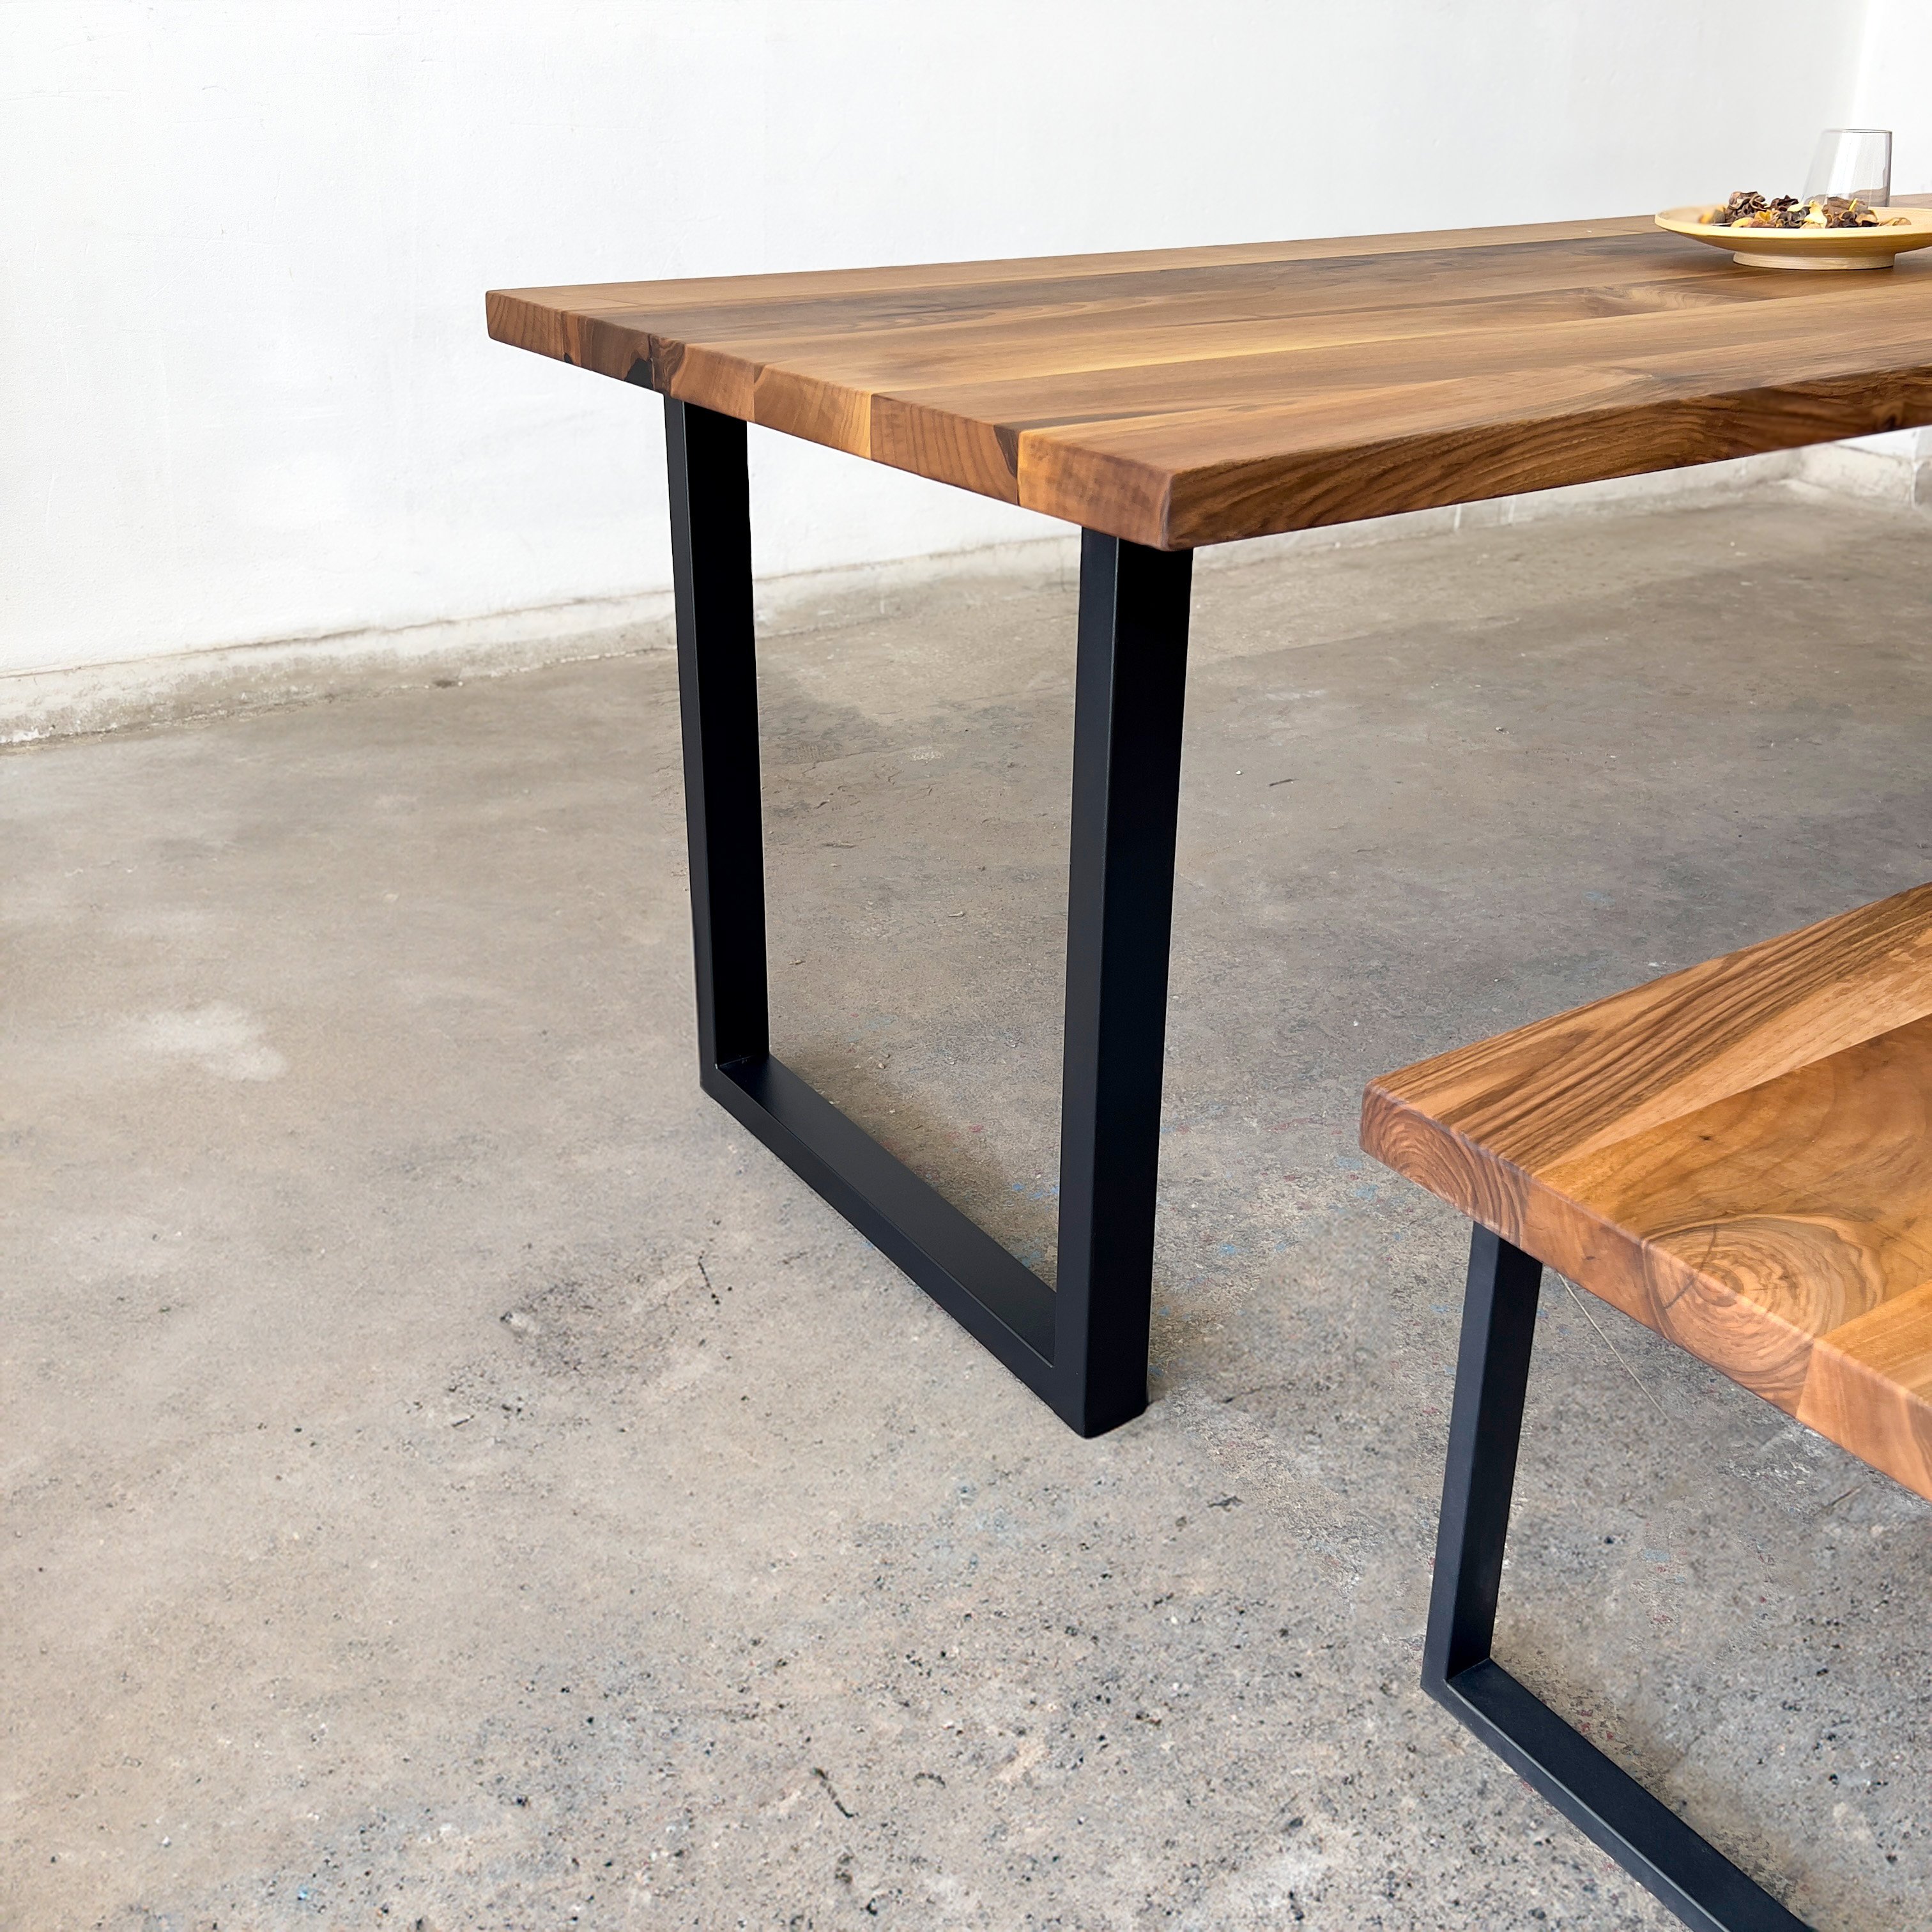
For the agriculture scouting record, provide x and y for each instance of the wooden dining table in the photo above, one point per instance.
(1162, 401)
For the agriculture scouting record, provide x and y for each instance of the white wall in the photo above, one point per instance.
(1894, 87)
(245, 393)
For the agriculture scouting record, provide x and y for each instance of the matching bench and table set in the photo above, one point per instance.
(1739, 1154)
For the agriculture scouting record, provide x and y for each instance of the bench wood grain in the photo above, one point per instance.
(1739, 1155)
(1190, 396)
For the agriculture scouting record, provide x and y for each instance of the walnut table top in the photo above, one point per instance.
(1191, 396)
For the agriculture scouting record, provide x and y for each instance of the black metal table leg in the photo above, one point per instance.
(1648, 1839)
(1083, 1346)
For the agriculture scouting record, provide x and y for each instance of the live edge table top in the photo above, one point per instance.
(1192, 396)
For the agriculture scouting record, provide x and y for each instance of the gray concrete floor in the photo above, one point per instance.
(454, 1478)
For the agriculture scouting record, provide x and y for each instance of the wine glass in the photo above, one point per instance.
(1853, 161)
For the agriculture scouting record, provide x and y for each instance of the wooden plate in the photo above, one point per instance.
(1903, 228)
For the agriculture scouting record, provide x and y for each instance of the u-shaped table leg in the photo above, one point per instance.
(1081, 1345)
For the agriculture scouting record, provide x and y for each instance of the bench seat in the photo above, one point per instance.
(1739, 1155)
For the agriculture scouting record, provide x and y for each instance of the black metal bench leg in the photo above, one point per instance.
(1649, 1840)
(1084, 1347)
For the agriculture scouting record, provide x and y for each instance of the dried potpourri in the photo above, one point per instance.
(1748, 208)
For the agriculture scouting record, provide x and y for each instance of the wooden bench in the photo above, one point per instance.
(1740, 1155)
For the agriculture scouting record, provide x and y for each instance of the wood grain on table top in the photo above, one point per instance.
(1739, 1155)
(1189, 396)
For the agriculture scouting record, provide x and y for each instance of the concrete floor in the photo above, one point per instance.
(454, 1478)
